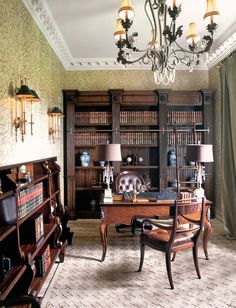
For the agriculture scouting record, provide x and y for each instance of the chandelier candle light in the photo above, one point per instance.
(164, 52)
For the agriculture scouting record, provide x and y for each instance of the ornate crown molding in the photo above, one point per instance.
(223, 47)
(41, 14)
(87, 64)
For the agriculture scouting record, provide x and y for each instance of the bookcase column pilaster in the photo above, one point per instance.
(70, 100)
(163, 101)
(116, 99)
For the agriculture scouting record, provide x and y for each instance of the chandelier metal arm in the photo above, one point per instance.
(164, 52)
(121, 58)
(153, 20)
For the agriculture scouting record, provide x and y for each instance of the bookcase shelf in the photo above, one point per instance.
(138, 167)
(143, 123)
(39, 281)
(7, 284)
(34, 248)
(5, 231)
(35, 186)
(138, 145)
(89, 188)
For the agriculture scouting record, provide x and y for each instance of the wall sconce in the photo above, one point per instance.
(24, 95)
(55, 114)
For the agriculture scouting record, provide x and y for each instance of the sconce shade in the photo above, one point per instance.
(55, 111)
(199, 153)
(24, 92)
(35, 97)
(108, 152)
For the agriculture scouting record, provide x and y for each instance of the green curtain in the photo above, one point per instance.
(228, 145)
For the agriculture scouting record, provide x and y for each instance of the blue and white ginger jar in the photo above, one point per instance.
(85, 159)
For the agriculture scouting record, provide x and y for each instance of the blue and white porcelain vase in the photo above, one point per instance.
(85, 159)
(171, 157)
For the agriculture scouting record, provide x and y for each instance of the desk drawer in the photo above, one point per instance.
(113, 214)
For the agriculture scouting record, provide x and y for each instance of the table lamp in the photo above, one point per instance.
(108, 152)
(199, 153)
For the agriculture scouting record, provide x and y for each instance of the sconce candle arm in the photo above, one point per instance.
(24, 95)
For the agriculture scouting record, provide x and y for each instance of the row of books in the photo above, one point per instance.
(184, 138)
(187, 117)
(138, 117)
(38, 227)
(92, 138)
(139, 138)
(28, 199)
(103, 117)
(33, 229)
(185, 196)
(43, 261)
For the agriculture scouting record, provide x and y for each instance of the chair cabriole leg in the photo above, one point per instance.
(142, 251)
(195, 258)
(168, 267)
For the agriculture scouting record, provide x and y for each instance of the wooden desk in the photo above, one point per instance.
(123, 212)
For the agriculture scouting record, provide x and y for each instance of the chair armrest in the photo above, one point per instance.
(156, 224)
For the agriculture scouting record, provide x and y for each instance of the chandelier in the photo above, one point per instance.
(163, 52)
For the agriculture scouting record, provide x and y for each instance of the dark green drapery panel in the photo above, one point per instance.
(228, 146)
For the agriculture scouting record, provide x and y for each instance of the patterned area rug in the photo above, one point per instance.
(82, 281)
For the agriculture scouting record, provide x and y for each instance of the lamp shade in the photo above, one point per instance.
(212, 13)
(35, 97)
(108, 152)
(126, 11)
(173, 3)
(119, 33)
(55, 111)
(192, 37)
(199, 153)
(24, 92)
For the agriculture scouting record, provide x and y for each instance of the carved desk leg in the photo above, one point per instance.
(103, 232)
(207, 231)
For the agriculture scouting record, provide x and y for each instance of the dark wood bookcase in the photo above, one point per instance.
(146, 124)
(30, 212)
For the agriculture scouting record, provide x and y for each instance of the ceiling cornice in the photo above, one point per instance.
(41, 14)
(223, 47)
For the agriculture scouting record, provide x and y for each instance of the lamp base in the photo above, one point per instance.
(107, 196)
(199, 192)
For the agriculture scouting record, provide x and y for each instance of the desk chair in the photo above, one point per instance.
(181, 234)
(124, 183)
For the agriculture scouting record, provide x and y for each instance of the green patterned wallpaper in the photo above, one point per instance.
(133, 80)
(24, 52)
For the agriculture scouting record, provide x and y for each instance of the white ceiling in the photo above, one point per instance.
(81, 31)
